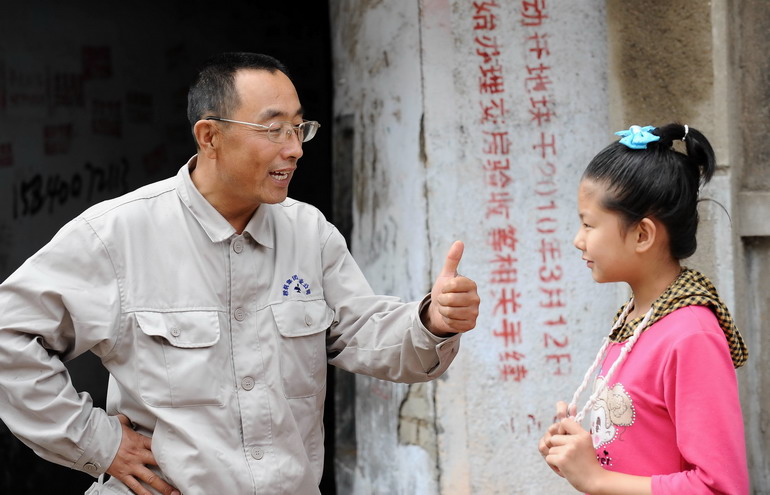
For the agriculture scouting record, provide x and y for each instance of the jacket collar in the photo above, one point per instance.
(211, 221)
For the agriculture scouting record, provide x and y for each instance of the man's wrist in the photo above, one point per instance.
(425, 318)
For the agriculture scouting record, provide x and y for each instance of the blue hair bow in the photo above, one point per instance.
(637, 137)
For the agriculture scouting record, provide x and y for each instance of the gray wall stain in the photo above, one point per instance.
(661, 59)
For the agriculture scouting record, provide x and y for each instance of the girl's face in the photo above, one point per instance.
(607, 250)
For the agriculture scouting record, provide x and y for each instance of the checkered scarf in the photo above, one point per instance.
(692, 288)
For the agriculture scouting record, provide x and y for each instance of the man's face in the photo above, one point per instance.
(250, 168)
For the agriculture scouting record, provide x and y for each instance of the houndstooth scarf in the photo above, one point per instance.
(691, 288)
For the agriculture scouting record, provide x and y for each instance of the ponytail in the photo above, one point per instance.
(700, 154)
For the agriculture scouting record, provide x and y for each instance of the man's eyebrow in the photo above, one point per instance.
(272, 113)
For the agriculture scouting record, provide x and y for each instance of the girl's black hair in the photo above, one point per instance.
(657, 182)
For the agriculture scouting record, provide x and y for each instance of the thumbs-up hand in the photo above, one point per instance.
(454, 302)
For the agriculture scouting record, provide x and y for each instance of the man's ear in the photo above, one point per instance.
(645, 234)
(207, 137)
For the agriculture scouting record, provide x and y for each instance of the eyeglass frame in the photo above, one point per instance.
(267, 128)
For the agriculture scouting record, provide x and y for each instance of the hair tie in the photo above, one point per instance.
(686, 130)
(637, 137)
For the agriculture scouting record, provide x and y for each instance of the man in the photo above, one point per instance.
(215, 302)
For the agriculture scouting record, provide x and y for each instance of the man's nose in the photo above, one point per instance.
(293, 145)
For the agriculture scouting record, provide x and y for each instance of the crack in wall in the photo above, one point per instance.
(416, 419)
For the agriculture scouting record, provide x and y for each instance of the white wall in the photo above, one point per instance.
(414, 76)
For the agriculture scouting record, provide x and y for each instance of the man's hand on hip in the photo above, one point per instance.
(131, 461)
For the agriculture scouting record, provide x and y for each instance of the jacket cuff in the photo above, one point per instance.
(102, 445)
(445, 348)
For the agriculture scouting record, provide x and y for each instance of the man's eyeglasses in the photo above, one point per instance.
(280, 132)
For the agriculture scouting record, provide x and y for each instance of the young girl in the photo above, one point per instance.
(664, 412)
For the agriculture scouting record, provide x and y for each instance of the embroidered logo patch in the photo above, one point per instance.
(296, 285)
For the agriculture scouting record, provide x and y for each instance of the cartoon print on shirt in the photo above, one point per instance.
(613, 409)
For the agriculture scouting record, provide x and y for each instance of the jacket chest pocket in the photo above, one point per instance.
(178, 358)
(302, 327)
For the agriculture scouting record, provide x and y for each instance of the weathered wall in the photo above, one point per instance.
(378, 104)
(504, 100)
(524, 124)
(750, 121)
(703, 63)
(473, 121)
(661, 62)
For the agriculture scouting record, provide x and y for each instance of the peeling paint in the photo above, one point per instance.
(416, 421)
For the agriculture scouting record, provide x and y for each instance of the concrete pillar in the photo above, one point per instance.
(749, 74)
(378, 110)
(474, 121)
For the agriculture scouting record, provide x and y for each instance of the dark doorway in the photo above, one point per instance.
(126, 66)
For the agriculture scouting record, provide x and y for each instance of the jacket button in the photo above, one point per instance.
(308, 320)
(239, 314)
(91, 467)
(247, 383)
(175, 331)
(257, 453)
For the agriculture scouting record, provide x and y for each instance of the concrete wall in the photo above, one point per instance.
(703, 63)
(378, 94)
(473, 124)
(749, 75)
(435, 157)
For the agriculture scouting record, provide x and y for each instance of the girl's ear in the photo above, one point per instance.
(646, 232)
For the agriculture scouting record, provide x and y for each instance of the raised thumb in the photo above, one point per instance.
(452, 260)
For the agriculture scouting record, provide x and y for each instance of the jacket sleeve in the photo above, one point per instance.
(701, 395)
(379, 336)
(61, 302)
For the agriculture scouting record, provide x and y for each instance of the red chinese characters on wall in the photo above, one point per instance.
(544, 168)
(514, 334)
(500, 202)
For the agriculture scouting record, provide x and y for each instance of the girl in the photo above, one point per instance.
(664, 412)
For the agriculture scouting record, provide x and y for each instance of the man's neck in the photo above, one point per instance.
(237, 216)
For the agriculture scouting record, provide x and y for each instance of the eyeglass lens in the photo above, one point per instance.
(281, 132)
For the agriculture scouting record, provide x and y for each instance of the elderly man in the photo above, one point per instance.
(215, 303)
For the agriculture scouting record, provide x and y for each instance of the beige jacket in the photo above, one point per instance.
(217, 343)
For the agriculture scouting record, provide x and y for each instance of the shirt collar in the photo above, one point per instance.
(213, 223)
(260, 225)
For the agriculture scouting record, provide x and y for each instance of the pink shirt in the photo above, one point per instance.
(672, 411)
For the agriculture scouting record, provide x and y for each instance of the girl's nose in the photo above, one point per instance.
(578, 240)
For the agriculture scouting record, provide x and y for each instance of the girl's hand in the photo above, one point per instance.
(544, 445)
(572, 455)
(562, 412)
